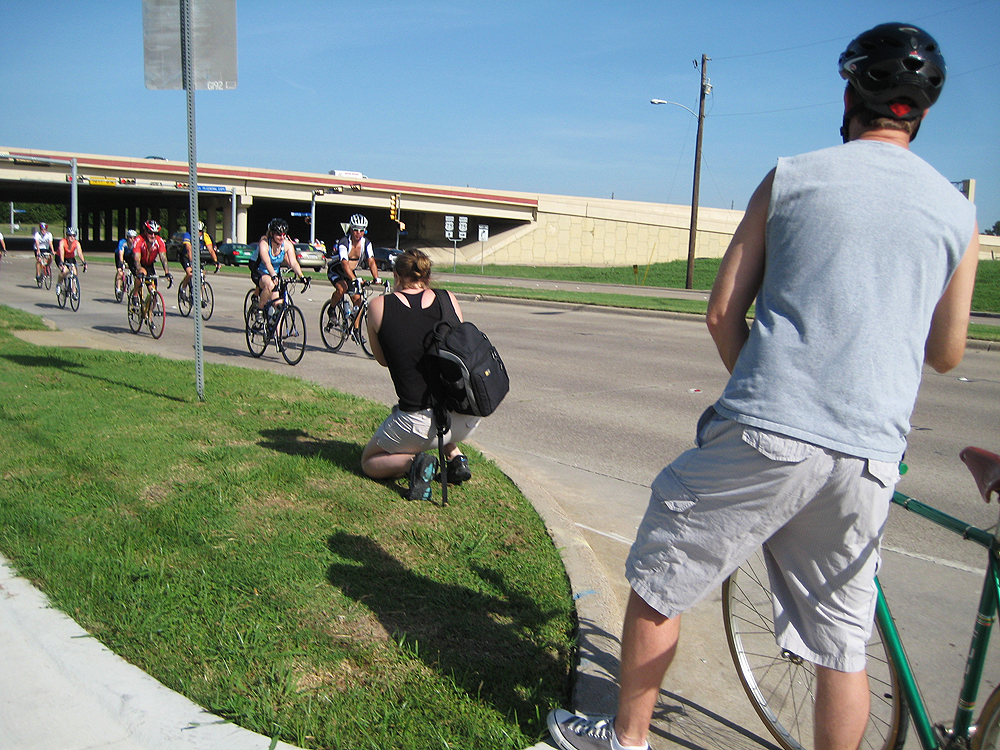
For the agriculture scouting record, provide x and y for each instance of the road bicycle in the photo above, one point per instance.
(69, 288)
(185, 298)
(337, 322)
(283, 324)
(780, 683)
(124, 290)
(148, 307)
(46, 278)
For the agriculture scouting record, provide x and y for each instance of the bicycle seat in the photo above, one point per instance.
(985, 468)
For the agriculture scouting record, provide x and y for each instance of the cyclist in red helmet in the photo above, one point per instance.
(149, 246)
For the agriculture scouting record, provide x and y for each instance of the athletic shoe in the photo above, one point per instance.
(422, 471)
(572, 732)
(458, 470)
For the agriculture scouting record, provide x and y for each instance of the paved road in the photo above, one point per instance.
(600, 401)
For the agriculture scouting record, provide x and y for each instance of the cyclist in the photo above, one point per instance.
(802, 449)
(273, 250)
(3, 246)
(149, 246)
(187, 254)
(348, 254)
(69, 249)
(123, 256)
(43, 249)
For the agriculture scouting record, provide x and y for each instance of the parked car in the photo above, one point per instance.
(385, 257)
(234, 253)
(175, 246)
(309, 257)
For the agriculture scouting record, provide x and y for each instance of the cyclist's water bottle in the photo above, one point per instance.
(348, 308)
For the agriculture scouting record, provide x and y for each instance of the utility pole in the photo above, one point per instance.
(706, 87)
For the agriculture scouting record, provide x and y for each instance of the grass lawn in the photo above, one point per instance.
(232, 549)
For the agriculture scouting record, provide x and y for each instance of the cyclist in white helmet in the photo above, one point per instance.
(44, 245)
(348, 254)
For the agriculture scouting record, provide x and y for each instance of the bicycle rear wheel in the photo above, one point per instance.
(157, 315)
(134, 314)
(362, 333)
(291, 335)
(207, 301)
(780, 684)
(987, 735)
(184, 294)
(332, 326)
(74, 292)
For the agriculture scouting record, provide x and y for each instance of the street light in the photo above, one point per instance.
(312, 216)
(693, 233)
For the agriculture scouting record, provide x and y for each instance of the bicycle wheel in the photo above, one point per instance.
(157, 315)
(256, 331)
(184, 294)
(61, 295)
(74, 292)
(780, 684)
(207, 301)
(134, 314)
(291, 335)
(249, 303)
(361, 334)
(47, 275)
(332, 326)
(987, 735)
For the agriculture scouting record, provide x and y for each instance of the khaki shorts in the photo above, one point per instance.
(820, 513)
(415, 432)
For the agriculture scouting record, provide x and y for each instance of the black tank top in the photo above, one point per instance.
(402, 336)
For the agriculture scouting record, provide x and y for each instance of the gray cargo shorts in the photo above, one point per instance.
(821, 514)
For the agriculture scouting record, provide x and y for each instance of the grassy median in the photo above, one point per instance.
(986, 296)
(232, 549)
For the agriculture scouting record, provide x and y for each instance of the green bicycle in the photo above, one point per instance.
(780, 683)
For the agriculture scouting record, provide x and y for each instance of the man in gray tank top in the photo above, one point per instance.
(861, 261)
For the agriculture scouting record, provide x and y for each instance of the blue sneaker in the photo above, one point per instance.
(422, 472)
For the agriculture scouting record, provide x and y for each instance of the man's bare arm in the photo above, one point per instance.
(740, 275)
(950, 323)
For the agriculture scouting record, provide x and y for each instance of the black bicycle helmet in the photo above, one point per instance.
(896, 69)
(277, 226)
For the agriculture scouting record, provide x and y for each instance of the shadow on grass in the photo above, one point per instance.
(299, 443)
(479, 641)
(58, 363)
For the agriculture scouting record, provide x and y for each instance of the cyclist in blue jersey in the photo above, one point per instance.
(124, 257)
(273, 251)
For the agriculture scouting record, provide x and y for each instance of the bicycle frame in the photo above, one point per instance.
(975, 662)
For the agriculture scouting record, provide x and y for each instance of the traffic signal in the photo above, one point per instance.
(393, 206)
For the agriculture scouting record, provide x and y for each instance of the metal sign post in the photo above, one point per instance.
(180, 53)
(484, 234)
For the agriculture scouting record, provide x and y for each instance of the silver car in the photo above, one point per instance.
(309, 257)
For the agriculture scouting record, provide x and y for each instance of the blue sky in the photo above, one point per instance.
(547, 97)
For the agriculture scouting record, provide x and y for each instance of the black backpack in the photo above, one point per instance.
(464, 373)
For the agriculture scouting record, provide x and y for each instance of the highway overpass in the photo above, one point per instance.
(116, 193)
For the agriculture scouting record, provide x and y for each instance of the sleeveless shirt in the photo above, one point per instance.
(861, 241)
(402, 336)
